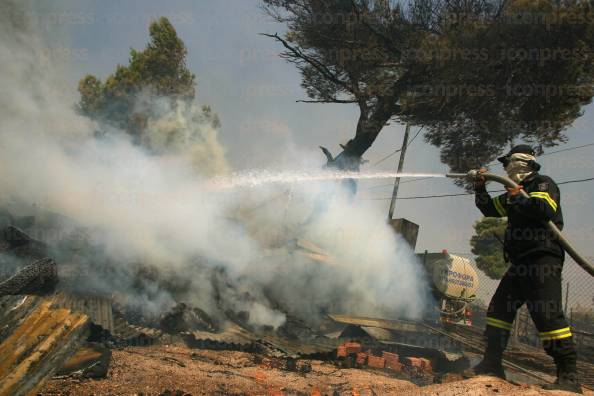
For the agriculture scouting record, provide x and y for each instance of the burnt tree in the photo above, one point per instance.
(477, 74)
(343, 61)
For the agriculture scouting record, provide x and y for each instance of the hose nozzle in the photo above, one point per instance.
(472, 174)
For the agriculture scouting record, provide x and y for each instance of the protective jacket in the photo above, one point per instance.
(526, 231)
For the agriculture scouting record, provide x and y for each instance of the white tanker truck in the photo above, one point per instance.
(454, 283)
(453, 279)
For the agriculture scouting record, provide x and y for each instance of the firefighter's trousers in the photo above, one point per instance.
(536, 282)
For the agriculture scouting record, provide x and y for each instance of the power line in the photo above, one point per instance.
(416, 134)
(463, 194)
(388, 156)
(399, 150)
(576, 181)
(403, 181)
(553, 152)
(490, 163)
(567, 149)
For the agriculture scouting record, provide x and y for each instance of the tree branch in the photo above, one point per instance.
(328, 101)
(319, 66)
(389, 42)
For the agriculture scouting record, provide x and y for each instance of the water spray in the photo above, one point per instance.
(474, 174)
(262, 177)
(258, 178)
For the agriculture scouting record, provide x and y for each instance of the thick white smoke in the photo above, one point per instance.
(158, 210)
(182, 128)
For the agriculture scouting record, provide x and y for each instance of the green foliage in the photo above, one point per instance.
(158, 71)
(91, 95)
(487, 247)
(521, 73)
(162, 65)
(478, 74)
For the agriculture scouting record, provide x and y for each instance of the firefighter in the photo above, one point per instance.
(534, 276)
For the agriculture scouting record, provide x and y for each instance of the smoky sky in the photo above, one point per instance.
(254, 92)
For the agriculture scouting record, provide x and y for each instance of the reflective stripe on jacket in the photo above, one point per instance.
(526, 231)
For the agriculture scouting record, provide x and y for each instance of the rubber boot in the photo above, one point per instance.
(490, 365)
(565, 357)
(487, 366)
(567, 380)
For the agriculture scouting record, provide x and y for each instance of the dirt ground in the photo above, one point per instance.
(182, 371)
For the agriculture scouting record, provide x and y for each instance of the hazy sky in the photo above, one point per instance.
(241, 76)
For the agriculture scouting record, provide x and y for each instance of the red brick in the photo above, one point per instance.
(413, 362)
(397, 367)
(341, 351)
(390, 357)
(426, 364)
(376, 361)
(361, 358)
(352, 347)
(420, 364)
(392, 361)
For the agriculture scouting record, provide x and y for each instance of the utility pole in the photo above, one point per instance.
(400, 165)
(566, 298)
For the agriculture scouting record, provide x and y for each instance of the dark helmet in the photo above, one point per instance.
(520, 148)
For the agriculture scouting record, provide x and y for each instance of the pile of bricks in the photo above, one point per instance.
(418, 364)
(348, 348)
(351, 354)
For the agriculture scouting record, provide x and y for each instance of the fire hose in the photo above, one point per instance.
(474, 174)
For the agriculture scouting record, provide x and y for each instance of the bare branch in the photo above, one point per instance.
(319, 66)
(328, 101)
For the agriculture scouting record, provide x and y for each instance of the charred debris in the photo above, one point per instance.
(70, 332)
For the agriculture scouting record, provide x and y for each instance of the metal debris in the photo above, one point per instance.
(16, 242)
(37, 278)
(183, 317)
(35, 341)
(97, 308)
(91, 361)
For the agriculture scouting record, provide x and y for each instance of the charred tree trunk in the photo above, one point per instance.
(371, 122)
(369, 126)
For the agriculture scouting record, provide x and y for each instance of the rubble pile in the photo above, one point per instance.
(90, 361)
(352, 355)
(184, 318)
(74, 335)
(25, 265)
(36, 339)
(104, 324)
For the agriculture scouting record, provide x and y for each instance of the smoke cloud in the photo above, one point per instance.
(143, 222)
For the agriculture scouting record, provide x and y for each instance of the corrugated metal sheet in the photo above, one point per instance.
(378, 333)
(36, 338)
(232, 337)
(236, 337)
(39, 277)
(400, 325)
(132, 334)
(97, 308)
(299, 348)
(100, 312)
